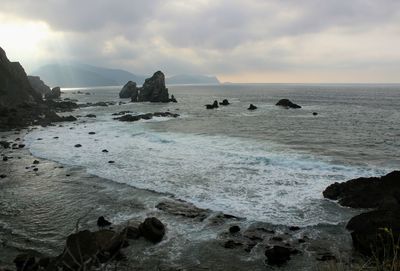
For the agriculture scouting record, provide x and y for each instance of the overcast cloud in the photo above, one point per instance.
(259, 41)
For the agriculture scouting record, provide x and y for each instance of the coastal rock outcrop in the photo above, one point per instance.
(252, 107)
(131, 118)
(213, 105)
(224, 102)
(287, 104)
(129, 90)
(54, 94)
(152, 229)
(38, 85)
(154, 90)
(372, 232)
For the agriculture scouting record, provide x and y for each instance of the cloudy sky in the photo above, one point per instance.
(239, 41)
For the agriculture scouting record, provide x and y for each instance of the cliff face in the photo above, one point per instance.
(38, 85)
(15, 88)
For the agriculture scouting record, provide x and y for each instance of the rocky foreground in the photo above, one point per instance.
(376, 232)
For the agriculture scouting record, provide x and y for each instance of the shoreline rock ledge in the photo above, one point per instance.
(372, 232)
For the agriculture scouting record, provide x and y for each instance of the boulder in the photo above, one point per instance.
(54, 94)
(129, 90)
(172, 99)
(234, 229)
(80, 250)
(102, 222)
(152, 229)
(252, 107)
(287, 104)
(154, 90)
(131, 232)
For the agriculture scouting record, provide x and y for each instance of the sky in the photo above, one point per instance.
(292, 41)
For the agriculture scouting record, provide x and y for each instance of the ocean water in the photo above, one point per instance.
(268, 165)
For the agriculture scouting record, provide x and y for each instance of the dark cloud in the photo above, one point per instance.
(225, 36)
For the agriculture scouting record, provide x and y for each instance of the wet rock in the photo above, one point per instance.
(5, 144)
(315, 113)
(129, 90)
(225, 102)
(152, 229)
(105, 151)
(21, 146)
(5, 158)
(90, 116)
(35, 169)
(232, 244)
(2, 176)
(182, 208)
(221, 218)
(287, 104)
(173, 99)
(122, 113)
(252, 107)
(276, 238)
(36, 162)
(91, 133)
(102, 222)
(80, 250)
(132, 118)
(38, 85)
(294, 228)
(24, 262)
(131, 232)
(212, 106)
(234, 229)
(327, 256)
(111, 162)
(279, 255)
(78, 145)
(301, 240)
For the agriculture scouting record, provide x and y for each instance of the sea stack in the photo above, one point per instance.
(154, 90)
(287, 104)
(129, 90)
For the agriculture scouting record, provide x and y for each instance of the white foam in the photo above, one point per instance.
(243, 177)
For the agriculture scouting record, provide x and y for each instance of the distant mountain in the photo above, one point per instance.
(192, 79)
(83, 75)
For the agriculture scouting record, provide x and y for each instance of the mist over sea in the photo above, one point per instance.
(269, 165)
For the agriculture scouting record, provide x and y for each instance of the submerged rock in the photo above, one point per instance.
(278, 255)
(212, 106)
(287, 103)
(129, 90)
(225, 102)
(182, 208)
(252, 107)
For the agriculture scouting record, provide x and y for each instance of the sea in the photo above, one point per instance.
(269, 165)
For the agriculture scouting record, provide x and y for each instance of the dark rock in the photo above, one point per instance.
(278, 255)
(294, 228)
(232, 244)
(2, 176)
(122, 113)
(35, 169)
(152, 229)
(111, 162)
(225, 102)
(36, 162)
(38, 85)
(172, 99)
(366, 192)
(5, 144)
(92, 133)
(252, 107)
(373, 232)
(54, 94)
(5, 158)
(287, 103)
(277, 238)
(78, 146)
(301, 240)
(24, 262)
(315, 113)
(104, 150)
(153, 89)
(131, 232)
(90, 116)
(61, 106)
(324, 257)
(234, 229)
(129, 90)
(102, 222)
(21, 146)
(132, 118)
(212, 106)
(182, 208)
